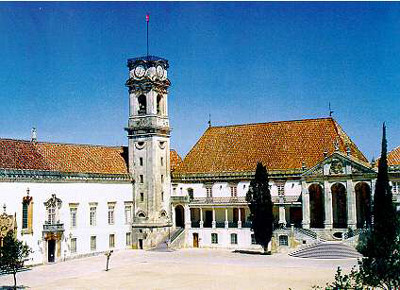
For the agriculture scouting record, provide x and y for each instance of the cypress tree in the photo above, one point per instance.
(260, 204)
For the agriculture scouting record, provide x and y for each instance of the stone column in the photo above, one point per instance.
(282, 216)
(188, 220)
(351, 205)
(239, 219)
(173, 217)
(201, 218)
(328, 223)
(213, 224)
(305, 196)
(226, 218)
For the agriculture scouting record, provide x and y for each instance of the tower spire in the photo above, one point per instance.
(147, 24)
(330, 110)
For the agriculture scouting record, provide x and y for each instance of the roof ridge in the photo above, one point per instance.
(61, 143)
(273, 122)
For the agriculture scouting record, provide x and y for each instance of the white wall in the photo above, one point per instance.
(11, 194)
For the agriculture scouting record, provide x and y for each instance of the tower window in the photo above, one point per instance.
(160, 107)
(162, 196)
(141, 178)
(141, 196)
(162, 161)
(162, 178)
(142, 105)
(141, 161)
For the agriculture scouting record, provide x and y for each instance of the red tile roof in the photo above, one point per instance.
(67, 158)
(71, 158)
(278, 145)
(176, 160)
(393, 157)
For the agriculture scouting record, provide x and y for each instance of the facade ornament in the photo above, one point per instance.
(33, 135)
(336, 167)
(348, 150)
(336, 144)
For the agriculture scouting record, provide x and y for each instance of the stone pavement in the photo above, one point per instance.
(182, 269)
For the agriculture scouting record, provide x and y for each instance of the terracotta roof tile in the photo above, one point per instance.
(279, 145)
(176, 160)
(393, 157)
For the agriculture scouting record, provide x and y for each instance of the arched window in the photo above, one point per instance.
(142, 105)
(160, 105)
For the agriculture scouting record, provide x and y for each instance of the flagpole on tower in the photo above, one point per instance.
(147, 22)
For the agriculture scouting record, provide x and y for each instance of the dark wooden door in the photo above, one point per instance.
(195, 240)
(51, 249)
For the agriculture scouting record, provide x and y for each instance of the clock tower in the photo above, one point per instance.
(149, 149)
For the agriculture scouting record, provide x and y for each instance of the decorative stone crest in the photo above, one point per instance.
(7, 223)
(336, 167)
(53, 202)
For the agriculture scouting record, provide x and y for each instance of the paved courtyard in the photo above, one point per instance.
(183, 269)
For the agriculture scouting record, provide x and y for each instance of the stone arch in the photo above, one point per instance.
(317, 206)
(179, 216)
(142, 102)
(363, 204)
(141, 214)
(339, 205)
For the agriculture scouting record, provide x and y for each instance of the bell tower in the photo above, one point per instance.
(149, 149)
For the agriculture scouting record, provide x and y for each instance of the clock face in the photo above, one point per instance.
(160, 71)
(139, 71)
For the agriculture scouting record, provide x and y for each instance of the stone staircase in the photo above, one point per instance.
(165, 245)
(327, 250)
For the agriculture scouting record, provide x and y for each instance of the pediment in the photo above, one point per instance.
(339, 164)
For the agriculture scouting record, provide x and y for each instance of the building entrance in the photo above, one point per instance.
(51, 250)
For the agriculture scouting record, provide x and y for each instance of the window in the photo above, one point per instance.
(234, 239)
(162, 161)
(92, 216)
(396, 187)
(73, 214)
(141, 179)
(111, 241)
(27, 213)
(51, 215)
(93, 243)
(283, 240)
(128, 239)
(162, 178)
(160, 108)
(141, 196)
(111, 214)
(214, 238)
(141, 161)
(73, 245)
(209, 191)
(128, 214)
(162, 196)
(233, 191)
(142, 105)
(253, 239)
(190, 193)
(24, 215)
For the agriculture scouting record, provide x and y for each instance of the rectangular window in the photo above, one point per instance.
(142, 196)
(128, 239)
(25, 215)
(141, 161)
(162, 178)
(253, 239)
(128, 214)
(92, 216)
(111, 214)
(141, 178)
(162, 161)
(162, 196)
(73, 214)
(73, 245)
(93, 243)
(111, 241)
(234, 239)
(209, 191)
(214, 238)
(51, 215)
(233, 191)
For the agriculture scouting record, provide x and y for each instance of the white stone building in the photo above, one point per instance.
(71, 200)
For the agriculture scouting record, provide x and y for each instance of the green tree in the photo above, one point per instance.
(260, 204)
(12, 255)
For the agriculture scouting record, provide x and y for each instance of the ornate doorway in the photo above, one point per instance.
(363, 204)
(339, 205)
(317, 209)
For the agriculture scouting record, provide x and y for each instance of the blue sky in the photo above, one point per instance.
(63, 67)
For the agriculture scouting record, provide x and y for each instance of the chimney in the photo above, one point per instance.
(33, 135)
